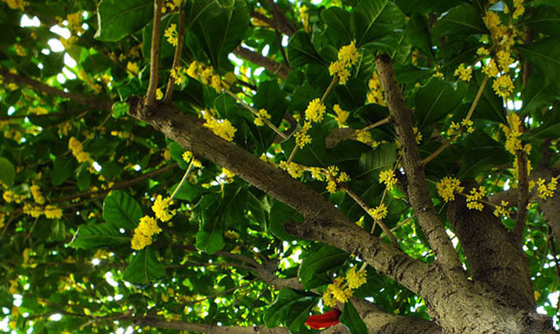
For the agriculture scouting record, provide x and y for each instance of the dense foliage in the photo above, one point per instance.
(107, 225)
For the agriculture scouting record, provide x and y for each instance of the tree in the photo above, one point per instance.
(235, 166)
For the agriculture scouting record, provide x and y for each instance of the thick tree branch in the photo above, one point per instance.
(417, 187)
(270, 65)
(496, 261)
(189, 132)
(44, 88)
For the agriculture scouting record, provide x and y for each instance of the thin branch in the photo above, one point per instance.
(270, 65)
(418, 192)
(522, 197)
(155, 51)
(53, 114)
(51, 91)
(119, 185)
(447, 143)
(177, 56)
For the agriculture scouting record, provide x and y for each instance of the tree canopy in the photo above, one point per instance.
(237, 166)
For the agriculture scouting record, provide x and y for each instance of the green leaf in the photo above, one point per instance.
(376, 18)
(121, 210)
(219, 29)
(63, 168)
(144, 268)
(352, 320)
(339, 20)
(118, 18)
(120, 109)
(280, 311)
(418, 34)
(7, 172)
(270, 97)
(58, 231)
(545, 56)
(313, 270)
(481, 152)
(545, 20)
(97, 236)
(436, 100)
(461, 20)
(301, 51)
(176, 151)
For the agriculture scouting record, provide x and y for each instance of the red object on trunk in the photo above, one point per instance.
(324, 320)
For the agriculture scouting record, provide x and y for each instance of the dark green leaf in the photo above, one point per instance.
(120, 109)
(461, 20)
(352, 320)
(97, 236)
(436, 100)
(118, 18)
(121, 210)
(376, 18)
(301, 51)
(279, 312)
(7, 172)
(144, 268)
(545, 56)
(63, 168)
(313, 269)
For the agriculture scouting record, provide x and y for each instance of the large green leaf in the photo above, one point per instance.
(436, 100)
(376, 18)
(118, 18)
(144, 268)
(7, 172)
(352, 320)
(339, 20)
(313, 270)
(63, 168)
(121, 210)
(97, 236)
(301, 51)
(545, 56)
(219, 29)
(545, 20)
(279, 214)
(461, 20)
(270, 97)
(418, 33)
(481, 153)
(281, 310)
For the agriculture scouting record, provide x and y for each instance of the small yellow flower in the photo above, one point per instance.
(37, 195)
(302, 137)
(161, 208)
(315, 111)
(348, 54)
(341, 116)
(503, 86)
(355, 278)
(448, 187)
(379, 212)
(464, 73)
(52, 212)
(171, 34)
(132, 68)
(221, 128)
(388, 178)
(474, 197)
(262, 116)
(501, 210)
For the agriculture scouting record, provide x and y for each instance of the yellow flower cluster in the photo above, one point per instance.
(347, 56)
(35, 211)
(171, 34)
(2, 219)
(355, 278)
(503, 86)
(378, 213)
(341, 116)
(547, 191)
(207, 76)
(366, 138)
(161, 208)
(456, 128)
(262, 116)
(473, 199)
(335, 177)
(221, 128)
(75, 23)
(448, 187)
(179, 75)
(491, 69)
(302, 137)
(501, 210)
(170, 5)
(9, 196)
(513, 132)
(304, 18)
(16, 4)
(37, 195)
(143, 233)
(315, 111)
(295, 170)
(463, 72)
(188, 155)
(340, 291)
(132, 68)
(375, 94)
(78, 150)
(519, 9)
(417, 135)
(336, 292)
(388, 178)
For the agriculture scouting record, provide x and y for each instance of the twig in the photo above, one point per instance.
(51, 91)
(256, 58)
(177, 56)
(522, 197)
(54, 114)
(447, 143)
(154, 59)
(120, 185)
(280, 20)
